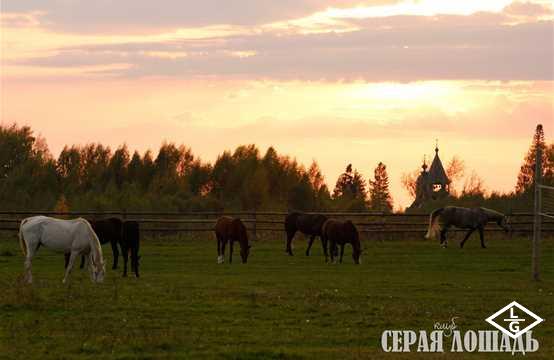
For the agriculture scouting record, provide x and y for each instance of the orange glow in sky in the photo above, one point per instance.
(341, 82)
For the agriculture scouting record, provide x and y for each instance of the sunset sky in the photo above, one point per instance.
(336, 81)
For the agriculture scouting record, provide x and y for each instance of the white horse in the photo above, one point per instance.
(75, 237)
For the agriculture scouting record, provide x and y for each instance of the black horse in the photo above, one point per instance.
(130, 245)
(309, 224)
(335, 233)
(464, 218)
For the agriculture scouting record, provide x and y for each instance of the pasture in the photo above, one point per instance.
(275, 307)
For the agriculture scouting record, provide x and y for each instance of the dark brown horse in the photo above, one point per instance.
(309, 224)
(230, 230)
(341, 233)
(463, 218)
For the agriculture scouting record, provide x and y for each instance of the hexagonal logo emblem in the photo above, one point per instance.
(514, 320)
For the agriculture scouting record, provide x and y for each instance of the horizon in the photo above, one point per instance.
(362, 82)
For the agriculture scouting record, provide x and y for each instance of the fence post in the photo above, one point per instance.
(537, 216)
(255, 226)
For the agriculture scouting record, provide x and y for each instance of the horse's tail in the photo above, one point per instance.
(434, 223)
(22, 242)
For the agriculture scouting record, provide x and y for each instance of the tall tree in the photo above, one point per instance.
(118, 167)
(474, 186)
(409, 182)
(526, 176)
(344, 185)
(455, 171)
(379, 194)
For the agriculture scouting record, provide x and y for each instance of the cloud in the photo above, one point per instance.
(139, 15)
(398, 48)
(528, 9)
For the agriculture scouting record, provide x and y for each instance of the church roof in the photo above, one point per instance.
(436, 172)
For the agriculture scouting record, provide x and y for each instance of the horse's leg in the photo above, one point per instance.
(88, 264)
(482, 236)
(134, 259)
(231, 243)
(66, 260)
(72, 257)
(31, 250)
(341, 252)
(125, 254)
(218, 248)
(324, 246)
(115, 252)
(82, 262)
(466, 237)
(223, 244)
(444, 242)
(332, 246)
(290, 235)
(28, 277)
(310, 242)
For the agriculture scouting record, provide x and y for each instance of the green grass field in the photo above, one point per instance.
(275, 307)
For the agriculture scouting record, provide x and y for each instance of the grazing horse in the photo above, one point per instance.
(463, 218)
(230, 230)
(341, 233)
(108, 230)
(70, 236)
(309, 224)
(130, 245)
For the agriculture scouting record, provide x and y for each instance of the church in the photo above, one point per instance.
(431, 184)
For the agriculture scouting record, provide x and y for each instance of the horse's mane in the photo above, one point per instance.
(96, 248)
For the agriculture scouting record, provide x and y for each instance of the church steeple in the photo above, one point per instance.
(436, 172)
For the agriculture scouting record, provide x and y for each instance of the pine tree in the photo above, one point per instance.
(344, 183)
(526, 176)
(379, 195)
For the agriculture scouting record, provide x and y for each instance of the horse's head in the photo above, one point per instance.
(504, 223)
(242, 236)
(354, 239)
(98, 269)
(244, 252)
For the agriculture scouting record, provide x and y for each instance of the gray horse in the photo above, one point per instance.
(463, 218)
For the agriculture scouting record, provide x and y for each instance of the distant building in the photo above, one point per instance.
(431, 184)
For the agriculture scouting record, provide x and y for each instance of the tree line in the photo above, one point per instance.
(93, 177)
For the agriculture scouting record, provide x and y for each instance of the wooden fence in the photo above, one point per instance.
(259, 222)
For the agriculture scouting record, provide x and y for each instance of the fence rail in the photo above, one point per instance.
(269, 221)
